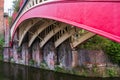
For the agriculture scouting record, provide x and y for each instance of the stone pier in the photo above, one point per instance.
(36, 54)
(25, 54)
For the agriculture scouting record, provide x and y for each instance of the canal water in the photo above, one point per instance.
(10, 71)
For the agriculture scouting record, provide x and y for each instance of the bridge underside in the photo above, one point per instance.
(40, 38)
(46, 29)
(51, 35)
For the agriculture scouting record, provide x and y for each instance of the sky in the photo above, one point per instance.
(7, 5)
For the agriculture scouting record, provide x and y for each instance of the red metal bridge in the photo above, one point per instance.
(43, 24)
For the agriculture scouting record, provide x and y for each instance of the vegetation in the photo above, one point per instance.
(10, 20)
(112, 49)
(43, 65)
(16, 5)
(59, 69)
(111, 72)
(1, 47)
(1, 43)
(16, 8)
(95, 43)
(1, 57)
(31, 62)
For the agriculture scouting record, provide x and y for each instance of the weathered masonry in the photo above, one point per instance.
(49, 31)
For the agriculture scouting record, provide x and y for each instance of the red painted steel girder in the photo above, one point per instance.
(102, 18)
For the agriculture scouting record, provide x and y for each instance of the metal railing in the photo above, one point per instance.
(28, 4)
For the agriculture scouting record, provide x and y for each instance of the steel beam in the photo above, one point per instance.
(39, 30)
(51, 34)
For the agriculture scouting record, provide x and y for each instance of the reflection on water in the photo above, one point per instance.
(18, 72)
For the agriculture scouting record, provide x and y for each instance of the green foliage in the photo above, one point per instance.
(59, 69)
(43, 65)
(84, 73)
(31, 62)
(95, 70)
(1, 42)
(1, 57)
(1, 47)
(111, 72)
(16, 5)
(95, 43)
(10, 20)
(63, 70)
(113, 50)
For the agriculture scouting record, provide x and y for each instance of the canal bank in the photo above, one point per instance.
(82, 62)
(9, 71)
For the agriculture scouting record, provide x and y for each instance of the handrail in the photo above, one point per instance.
(28, 4)
(19, 12)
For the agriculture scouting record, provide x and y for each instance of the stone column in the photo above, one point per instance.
(65, 55)
(6, 55)
(74, 58)
(25, 55)
(49, 53)
(15, 55)
(36, 54)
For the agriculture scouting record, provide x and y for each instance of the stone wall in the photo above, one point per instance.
(92, 57)
(49, 54)
(65, 54)
(36, 53)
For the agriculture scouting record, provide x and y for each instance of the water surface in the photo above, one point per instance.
(10, 71)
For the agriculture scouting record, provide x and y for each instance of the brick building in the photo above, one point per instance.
(1, 16)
